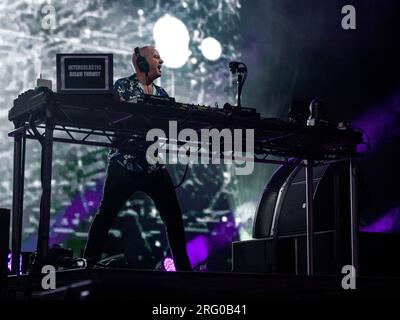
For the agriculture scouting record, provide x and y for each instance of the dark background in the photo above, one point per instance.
(298, 50)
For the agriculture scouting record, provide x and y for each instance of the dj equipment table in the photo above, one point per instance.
(99, 120)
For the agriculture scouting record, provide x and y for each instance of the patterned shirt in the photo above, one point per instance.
(128, 89)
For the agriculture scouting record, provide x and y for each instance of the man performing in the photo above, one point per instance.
(129, 171)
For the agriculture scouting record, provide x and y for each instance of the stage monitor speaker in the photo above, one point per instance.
(281, 210)
(266, 206)
(286, 255)
(279, 227)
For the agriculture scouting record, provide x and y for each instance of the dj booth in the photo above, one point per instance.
(98, 119)
(85, 111)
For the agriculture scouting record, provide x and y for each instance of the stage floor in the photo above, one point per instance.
(122, 284)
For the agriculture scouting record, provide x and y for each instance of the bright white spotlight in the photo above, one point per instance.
(172, 41)
(211, 48)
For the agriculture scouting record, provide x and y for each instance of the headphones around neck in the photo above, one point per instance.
(141, 61)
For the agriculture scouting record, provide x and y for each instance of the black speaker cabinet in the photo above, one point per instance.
(286, 255)
(378, 255)
(279, 228)
(282, 207)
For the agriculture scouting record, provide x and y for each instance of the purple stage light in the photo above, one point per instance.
(83, 203)
(389, 222)
(9, 263)
(169, 264)
(200, 247)
(197, 250)
(380, 120)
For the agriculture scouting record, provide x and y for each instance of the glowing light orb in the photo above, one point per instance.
(211, 48)
(172, 41)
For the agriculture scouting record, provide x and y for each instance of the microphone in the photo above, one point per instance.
(236, 66)
(317, 113)
(233, 65)
(241, 70)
